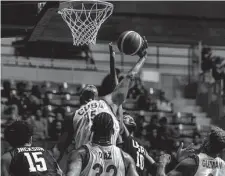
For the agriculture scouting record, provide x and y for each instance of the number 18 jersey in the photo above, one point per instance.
(33, 161)
(104, 161)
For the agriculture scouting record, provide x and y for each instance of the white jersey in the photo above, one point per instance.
(104, 161)
(82, 122)
(209, 166)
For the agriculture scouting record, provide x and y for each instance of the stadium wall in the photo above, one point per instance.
(50, 74)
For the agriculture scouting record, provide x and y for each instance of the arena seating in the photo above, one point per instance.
(52, 98)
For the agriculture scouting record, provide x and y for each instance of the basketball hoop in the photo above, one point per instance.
(85, 18)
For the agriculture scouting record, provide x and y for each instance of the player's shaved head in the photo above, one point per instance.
(88, 93)
(18, 133)
(215, 142)
(103, 124)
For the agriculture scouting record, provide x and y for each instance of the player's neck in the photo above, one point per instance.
(27, 145)
(207, 152)
(213, 155)
(102, 140)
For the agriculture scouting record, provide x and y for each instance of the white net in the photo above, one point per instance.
(85, 18)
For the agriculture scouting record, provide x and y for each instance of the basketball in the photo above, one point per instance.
(129, 42)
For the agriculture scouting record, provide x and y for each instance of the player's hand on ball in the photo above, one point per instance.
(164, 159)
(142, 52)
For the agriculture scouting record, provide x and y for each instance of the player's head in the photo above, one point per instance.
(18, 133)
(88, 93)
(103, 125)
(215, 141)
(163, 122)
(129, 122)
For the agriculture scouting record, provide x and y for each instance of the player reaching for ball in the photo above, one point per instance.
(206, 163)
(78, 129)
(130, 145)
(135, 149)
(99, 157)
(24, 159)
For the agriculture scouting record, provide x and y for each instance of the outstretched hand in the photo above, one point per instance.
(164, 159)
(183, 153)
(142, 52)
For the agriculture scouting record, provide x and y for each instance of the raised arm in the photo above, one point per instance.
(186, 167)
(119, 94)
(74, 166)
(129, 165)
(113, 72)
(118, 110)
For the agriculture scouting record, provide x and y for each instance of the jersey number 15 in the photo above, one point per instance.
(39, 162)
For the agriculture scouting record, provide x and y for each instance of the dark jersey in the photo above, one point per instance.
(137, 152)
(33, 161)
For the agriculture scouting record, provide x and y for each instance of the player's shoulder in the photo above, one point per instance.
(186, 167)
(81, 152)
(189, 164)
(6, 158)
(127, 158)
(191, 160)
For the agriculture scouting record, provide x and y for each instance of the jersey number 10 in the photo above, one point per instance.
(140, 161)
(39, 162)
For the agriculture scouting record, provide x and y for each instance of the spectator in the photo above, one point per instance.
(142, 103)
(57, 130)
(143, 139)
(21, 87)
(51, 118)
(13, 98)
(5, 92)
(57, 126)
(137, 90)
(47, 98)
(206, 59)
(197, 140)
(35, 96)
(153, 124)
(12, 114)
(25, 104)
(153, 138)
(218, 68)
(40, 126)
(139, 123)
(59, 116)
(165, 135)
